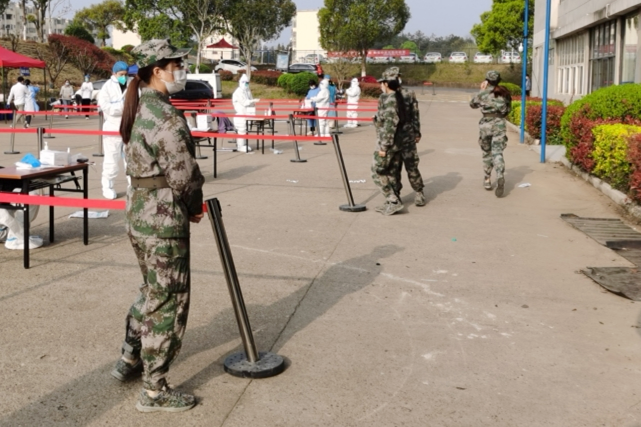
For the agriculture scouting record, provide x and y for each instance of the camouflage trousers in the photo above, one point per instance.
(157, 319)
(409, 158)
(493, 140)
(383, 173)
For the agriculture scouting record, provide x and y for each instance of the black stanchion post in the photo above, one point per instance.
(101, 120)
(40, 132)
(350, 207)
(249, 364)
(13, 135)
(292, 129)
(49, 135)
(318, 128)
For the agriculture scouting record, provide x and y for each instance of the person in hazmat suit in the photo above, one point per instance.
(244, 103)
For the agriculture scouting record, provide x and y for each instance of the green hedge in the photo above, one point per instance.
(203, 69)
(297, 83)
(515, 90)
(610, 154)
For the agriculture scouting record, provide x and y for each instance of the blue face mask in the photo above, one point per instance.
(122, 80)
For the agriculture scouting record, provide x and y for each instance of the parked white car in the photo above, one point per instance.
(412, 58)
(232, 65)
(511, 58)
(458, 57)
(483, 58)
(432, 58)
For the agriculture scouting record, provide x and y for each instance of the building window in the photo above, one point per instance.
(602, 54)
(630, 42)
(571, 60)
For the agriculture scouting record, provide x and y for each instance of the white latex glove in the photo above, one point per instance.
(256, 101)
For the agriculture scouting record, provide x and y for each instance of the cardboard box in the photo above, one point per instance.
(54, 158)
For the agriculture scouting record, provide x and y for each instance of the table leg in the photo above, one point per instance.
(51, 235)
(25, 237)
(85, 211)
(215, 155)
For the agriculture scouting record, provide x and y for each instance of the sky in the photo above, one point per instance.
(439, 17)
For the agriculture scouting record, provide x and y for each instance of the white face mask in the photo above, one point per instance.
(180, 80)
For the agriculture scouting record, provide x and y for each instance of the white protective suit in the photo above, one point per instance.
(111, 100)
(353, 95)
(322, 102)
(12, 227)
(242, 100)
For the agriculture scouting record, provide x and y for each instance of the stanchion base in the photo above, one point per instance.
(336, 132)
(201, 157)
(12, 152)
(268, 365)
(320, 143)
(49, 136)
(298, 160)
(355, 208)
(98, 155)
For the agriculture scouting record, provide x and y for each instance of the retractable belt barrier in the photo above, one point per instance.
(251, 363)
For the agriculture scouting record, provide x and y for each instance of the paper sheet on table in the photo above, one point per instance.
(90, 214)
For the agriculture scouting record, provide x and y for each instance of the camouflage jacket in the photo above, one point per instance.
(161, 144)
(387, 121)
(489, 104)
(412, 129)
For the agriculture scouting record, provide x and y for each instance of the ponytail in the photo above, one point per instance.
(499, 90)
(133, 99)
(401, 108)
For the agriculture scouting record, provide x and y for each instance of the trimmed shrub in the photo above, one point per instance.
(226, 76)
(533, 122)
(634, 157)
(296, 83)
(515, 113)
(285, 80)
(610, 154)
(515, 90)
(370, 90)
(202, 69)
(269, 78)
(614, 104)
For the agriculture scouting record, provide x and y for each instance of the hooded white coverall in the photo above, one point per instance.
(242, 100)
(111, 100)
(322, 102)
(353, 95)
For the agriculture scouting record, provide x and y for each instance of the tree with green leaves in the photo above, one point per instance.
(201, 18)
(358, 24)
(101, 16)
(253, 21)
(76, 29)
(501, 27)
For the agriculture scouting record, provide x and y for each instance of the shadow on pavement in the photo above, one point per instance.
(441, 184)
(515, 176)
(86, 398)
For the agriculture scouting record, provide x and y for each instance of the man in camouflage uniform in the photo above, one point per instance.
(410, 135)
(387, 157)
(164, 197)
(492, 128)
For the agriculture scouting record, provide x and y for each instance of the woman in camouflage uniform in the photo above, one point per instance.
(495, 103)
(391, 115)
(164, 197)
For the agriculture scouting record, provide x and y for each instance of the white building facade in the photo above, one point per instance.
(11, 22)
(306, 36)
(593, 44)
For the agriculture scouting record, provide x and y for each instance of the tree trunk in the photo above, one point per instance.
(363, 65)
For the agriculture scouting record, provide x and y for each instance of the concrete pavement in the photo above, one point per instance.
(466, 312)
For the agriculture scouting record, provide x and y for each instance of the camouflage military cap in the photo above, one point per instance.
(391, 73)
(493, 76)
(154, 50)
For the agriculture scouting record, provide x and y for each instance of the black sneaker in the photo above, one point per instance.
(168, 400)
(124, 371)
(500, 187)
